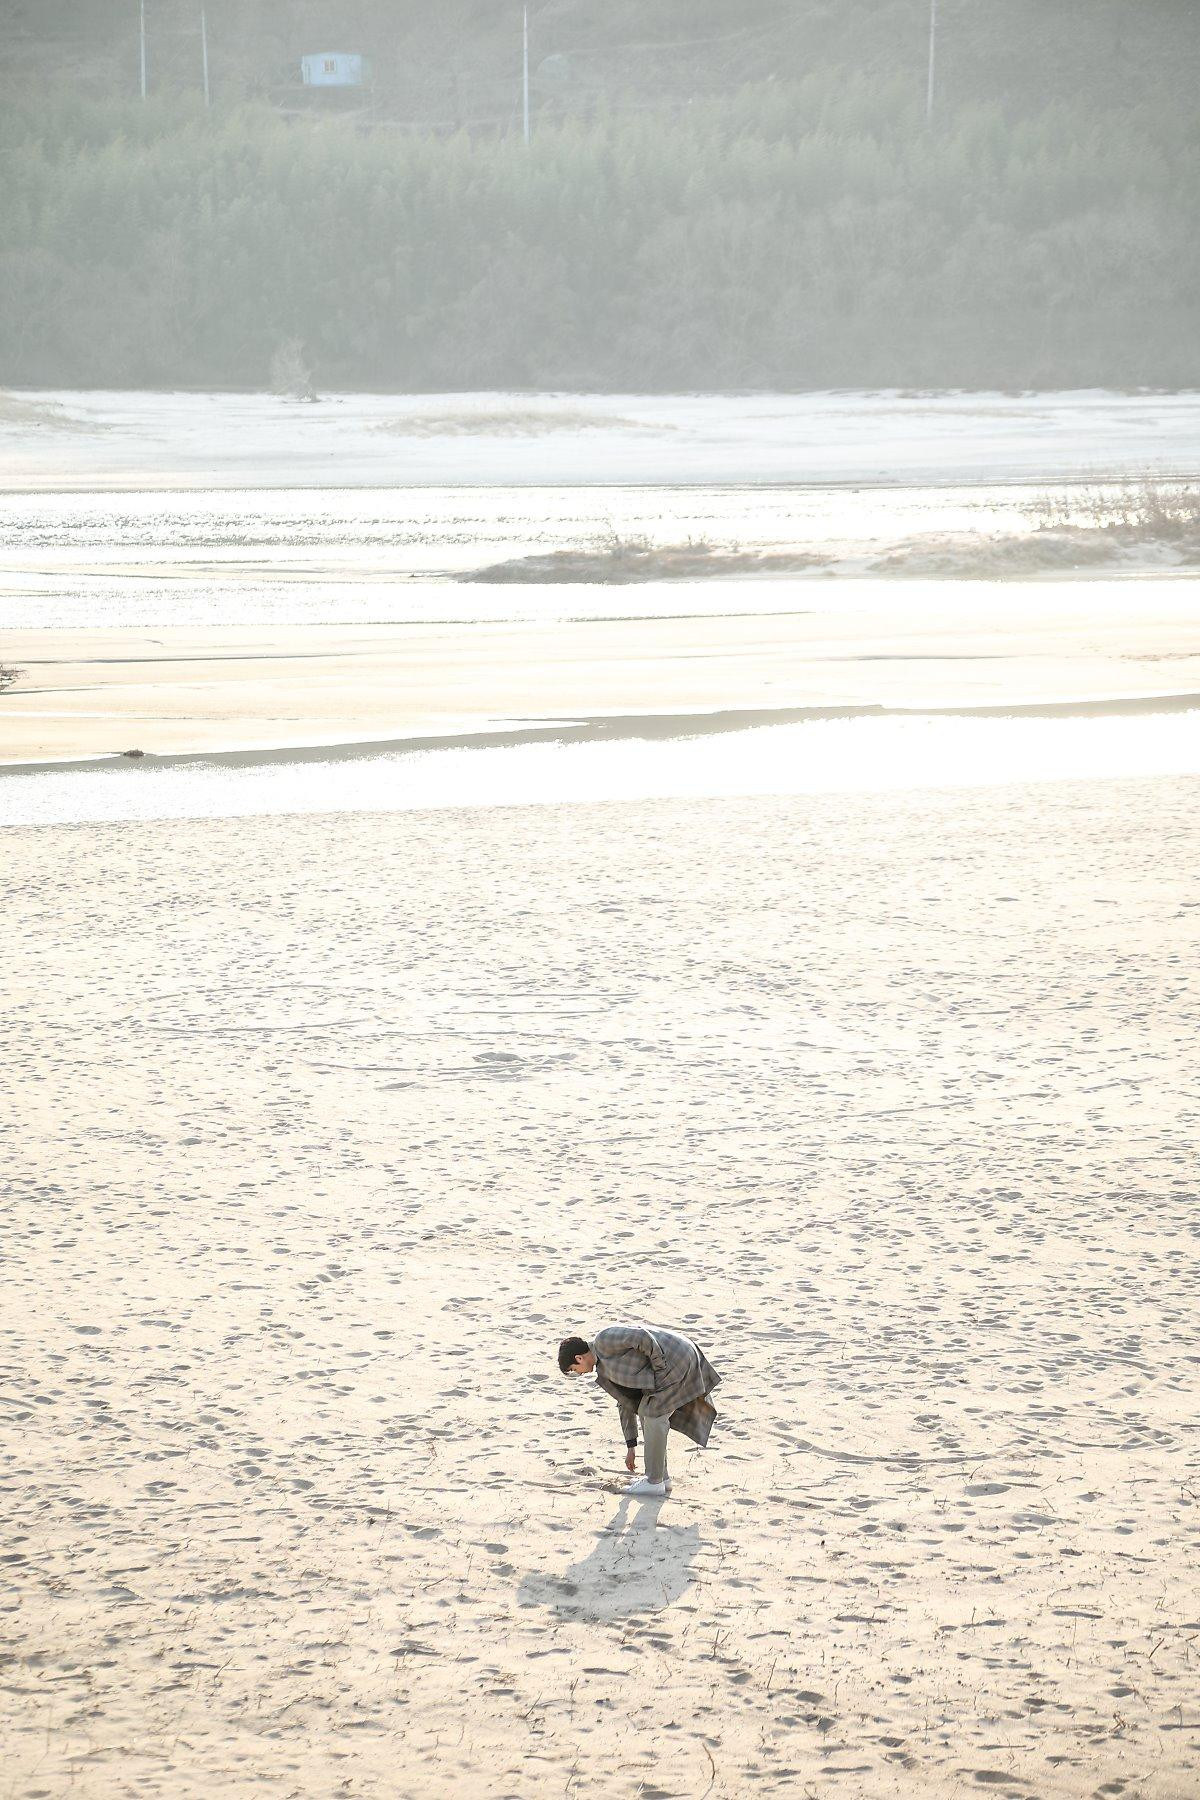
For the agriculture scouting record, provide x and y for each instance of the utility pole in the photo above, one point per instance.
(933, 6)
(142, 37)
(204, 53)
(525, 77)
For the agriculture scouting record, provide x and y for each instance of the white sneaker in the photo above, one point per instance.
(647, 1490)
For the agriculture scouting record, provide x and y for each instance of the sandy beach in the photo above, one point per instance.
(327, 1130)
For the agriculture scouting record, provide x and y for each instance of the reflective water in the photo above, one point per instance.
(352, 556)
(825, 756)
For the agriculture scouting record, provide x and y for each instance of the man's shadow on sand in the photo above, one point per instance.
(636, 1566)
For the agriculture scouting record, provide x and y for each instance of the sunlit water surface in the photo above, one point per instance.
(379, 555)
(821, 757)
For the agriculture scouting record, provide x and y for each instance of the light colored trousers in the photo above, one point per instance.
(654, 1444)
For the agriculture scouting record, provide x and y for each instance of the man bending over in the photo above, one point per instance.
(658, 1377)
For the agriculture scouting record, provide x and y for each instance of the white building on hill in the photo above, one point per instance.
(334, 69)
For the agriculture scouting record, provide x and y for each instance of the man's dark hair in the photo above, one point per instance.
(569, 1349)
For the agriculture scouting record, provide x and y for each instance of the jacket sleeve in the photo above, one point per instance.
(628, 1412)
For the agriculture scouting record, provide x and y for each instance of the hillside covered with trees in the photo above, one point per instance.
(714, 196)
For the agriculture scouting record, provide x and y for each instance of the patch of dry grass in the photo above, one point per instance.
(1144, 524)
(984, 558)
(618, 561)
(1161, 512)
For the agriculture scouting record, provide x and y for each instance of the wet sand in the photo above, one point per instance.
(175, 691)
(326, 1129)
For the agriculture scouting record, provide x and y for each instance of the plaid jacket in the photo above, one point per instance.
(661, 1373)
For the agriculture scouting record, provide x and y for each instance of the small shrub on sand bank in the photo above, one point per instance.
(8, 677)
(1148, 511)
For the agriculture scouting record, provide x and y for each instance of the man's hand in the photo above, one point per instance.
(630, 1460)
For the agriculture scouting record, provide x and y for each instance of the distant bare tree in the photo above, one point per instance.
(290, 373)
